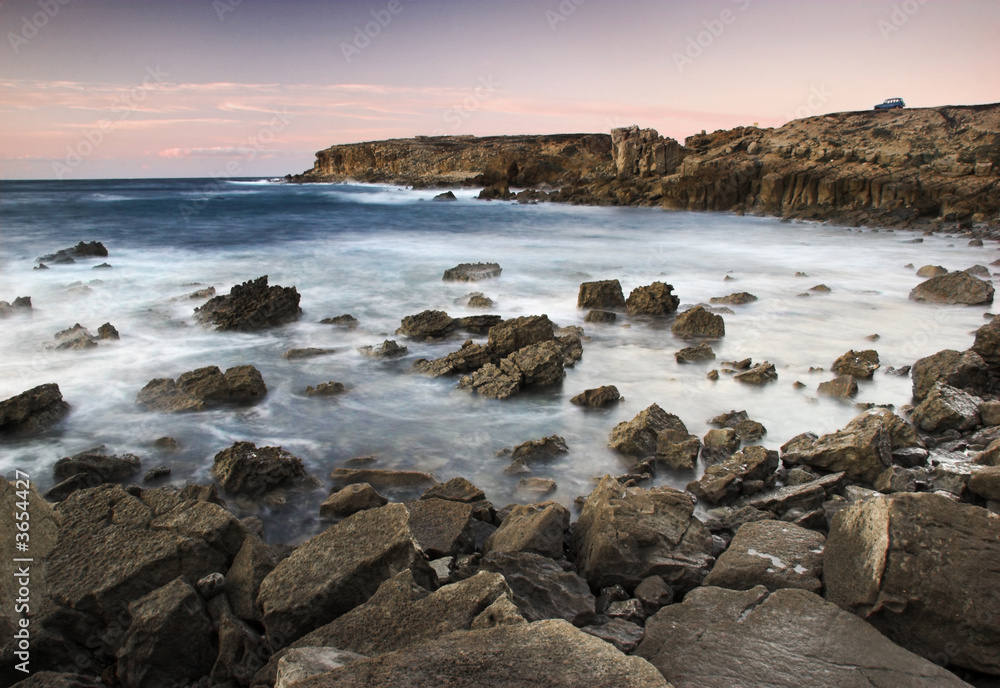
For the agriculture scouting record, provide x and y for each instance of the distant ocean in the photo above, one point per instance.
(378, 253)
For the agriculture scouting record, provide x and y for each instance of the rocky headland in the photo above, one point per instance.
(922, 167)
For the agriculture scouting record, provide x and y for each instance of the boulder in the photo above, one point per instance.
(76, 337)
(442, 528)
(600, 317)
(387, 349)
(326, 389)
(33, 411)
(760, 374)
(946, 408)
(773, 554)
(534, 488)
(91, 468)
(695, 354)
(337, 570)
(698, 323)
(954, 288)
(455, 490)
(92, 249)
(720, 638)
(840, 387)
(251, 307)
(517, 333)
(426, 325)
(542, 589)
(931, 271)
(245, 468)
(381, 478)
(598, 397)
(654, 299)
(242, 650)
(749, 430)
(725, 439)
(471, 272)
(623, 634)
(535, 364)
(346, 321)
(603, 295)
(987, 343)
(350, 500)
(863, 448)
(859, 364)
(725, 481)
(539, 528)
(737, 299)
(478, 324)
(534, 451)
(301, 663)
(445, 196)
(638, 437)
(896, 479)
(678, 449)
(550, 653)
(250, 567)
(204, 388)
(962, 369)
(107, 331)
(168, 623)
(913, 565)
(627, 534)
(986, 483)
(802, 498)
(22, 304)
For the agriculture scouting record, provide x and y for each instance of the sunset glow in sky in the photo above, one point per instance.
(93, 89)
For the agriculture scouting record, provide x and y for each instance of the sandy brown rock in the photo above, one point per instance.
(33, 411)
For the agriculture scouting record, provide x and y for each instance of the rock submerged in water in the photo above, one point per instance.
(427, 325)
(311, 352)
(598, 397)
(841, 387)
(204, 388)
(33, 411)
(698, 323)
(251, 307)
(859, 364)
(638, 437)
(93, 249)
(737, 299)
(695, 354)
(760, 374)
(22, 304)
(387, 349)
(346, 321)
(326, 389)
(245, 468)
(954, 288)
(962, 369)
(471, 272)
(600, 317)
(654, 299)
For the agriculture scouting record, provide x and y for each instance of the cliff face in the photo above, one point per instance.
(524, 161)
(890, 167)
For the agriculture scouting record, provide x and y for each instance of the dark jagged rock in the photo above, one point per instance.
(441, 527)
(251, 307)
(697, 323)
(326, 389)
(478, 324)
(954, 288)
(655, 299)
(725, 481)
(445, 196)
(204, 388)
(534, 451)
(93, 249)
(471, 272)
(33, 411)
(346, 321)
(533, 365)
(107, 331)
(912, 565)
(859, 364)
(600, 317)
(76, 337)
(455, 490)
(247, 469)
(427, 325)
(678, 449)
(97, 465)
(387, 349)
(598, 397)
(22, 304)
(539, 528)
(604, 295)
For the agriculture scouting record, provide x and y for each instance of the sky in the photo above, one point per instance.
(248, 88)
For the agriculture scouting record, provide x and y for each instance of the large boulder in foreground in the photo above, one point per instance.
(337, 570)
(654, 299)
(774, 554)
(947, 408)
(954, 288)
(790, 638)
(542, 589)
(637, 437)
(33, 411)
(203, 389)
(251, 307)
(698, 323)
(863, 448)
(605, 295)
(167, 624)
(922, 569)
(626, 534)
(962, 369)
(548, 653)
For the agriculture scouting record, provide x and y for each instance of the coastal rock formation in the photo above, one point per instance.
(858, 364)
(426, 325)
(22, 304)
(93, 249)
(33, 411)
(962, 369)
(251, 306)
(541, 588)
(792, 637)
(204, 388)
(245, 468)
(598, 397)
(946, 408)
(725, 481)
(954, 288)
(912, 565)
(654, 299)
(604, 295)
(773, 554)
(637, 437)
(472, 272)
(696, 323)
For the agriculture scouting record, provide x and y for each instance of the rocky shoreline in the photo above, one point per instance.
(866, 556)
(924, 168)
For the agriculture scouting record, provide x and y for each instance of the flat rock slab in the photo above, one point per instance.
(953, 288)
(723, 638)
(471, 272)
(773, 554)
(922, 569)
(549, 653)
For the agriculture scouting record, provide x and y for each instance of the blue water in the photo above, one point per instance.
(378, 252)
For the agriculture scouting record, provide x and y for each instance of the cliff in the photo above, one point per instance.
(895, 167)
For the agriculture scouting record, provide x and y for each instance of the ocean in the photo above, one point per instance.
(378, 253)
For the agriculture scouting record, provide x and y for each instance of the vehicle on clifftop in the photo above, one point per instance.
(891, 104)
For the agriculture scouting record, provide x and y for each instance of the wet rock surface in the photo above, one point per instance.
(251, 307)
(203, 389)
(33, 411)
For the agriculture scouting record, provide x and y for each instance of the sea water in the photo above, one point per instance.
(378, 253)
